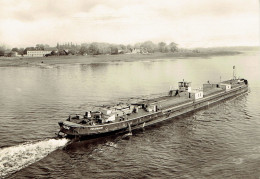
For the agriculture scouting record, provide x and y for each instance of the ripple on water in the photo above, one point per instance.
(219, 142)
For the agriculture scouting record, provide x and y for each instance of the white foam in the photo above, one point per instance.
(17, 157)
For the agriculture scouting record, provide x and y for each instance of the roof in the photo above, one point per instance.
(196, 91)
(42, 50)
(50, 49)
(184, 82)
(225, 84)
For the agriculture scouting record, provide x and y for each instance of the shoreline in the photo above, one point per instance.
(73, 59)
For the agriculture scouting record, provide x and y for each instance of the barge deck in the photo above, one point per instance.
(145, 112)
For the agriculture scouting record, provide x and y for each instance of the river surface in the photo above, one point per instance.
(220, 142)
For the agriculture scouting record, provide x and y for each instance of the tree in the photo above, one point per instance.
(162, 47)
(83, 50)
(11, 54)
(137, 45)
(46, 46)
(129, 47)
(122, 47)
(28, 48)
(85, 44)
(2, 50)
(104, 48)
(93, 49)
(149, 46)
(173, 47)
(15, 50)
(114, 50)
(20, 51)
(39, 47)
(72, 52)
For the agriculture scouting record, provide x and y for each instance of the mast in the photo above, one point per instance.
(234, 72)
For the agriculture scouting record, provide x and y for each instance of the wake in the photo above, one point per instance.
(17, 157)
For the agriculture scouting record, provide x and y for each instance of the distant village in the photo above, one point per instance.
(95, 48)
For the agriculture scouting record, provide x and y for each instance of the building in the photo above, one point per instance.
(40, 53)
(37, 53)
(9, 53)
(135, 50)
(15, 54)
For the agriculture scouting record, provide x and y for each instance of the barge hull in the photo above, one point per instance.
(155, 117)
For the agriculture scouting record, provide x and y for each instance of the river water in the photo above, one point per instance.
(220, 142)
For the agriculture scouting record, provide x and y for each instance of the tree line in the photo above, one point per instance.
(97, 48)
(144, 47)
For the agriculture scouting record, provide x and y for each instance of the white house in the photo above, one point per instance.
(135, 50)
(37, 53)
(40, 53)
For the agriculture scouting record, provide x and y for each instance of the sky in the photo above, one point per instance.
(189, 23)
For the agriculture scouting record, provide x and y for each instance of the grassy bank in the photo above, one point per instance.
(25, 61)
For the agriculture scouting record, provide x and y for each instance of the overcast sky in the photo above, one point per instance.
(190, 23)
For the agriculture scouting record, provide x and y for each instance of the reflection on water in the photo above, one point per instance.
(94, 67)
(212, 143)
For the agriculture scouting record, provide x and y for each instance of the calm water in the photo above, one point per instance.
(220, 142)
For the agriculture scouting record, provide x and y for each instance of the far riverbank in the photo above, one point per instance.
(25, 61)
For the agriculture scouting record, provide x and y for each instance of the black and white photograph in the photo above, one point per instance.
(130, 89)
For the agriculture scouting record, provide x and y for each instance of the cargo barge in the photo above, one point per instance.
(145, 112)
